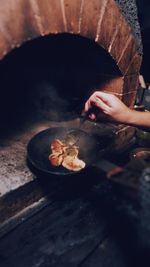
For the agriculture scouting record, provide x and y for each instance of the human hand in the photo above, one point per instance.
(110, 105)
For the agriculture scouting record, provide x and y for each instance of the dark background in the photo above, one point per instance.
(144, 19)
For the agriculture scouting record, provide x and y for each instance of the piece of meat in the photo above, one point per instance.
(65, 155)
(56, 159)
(73, 163)
(72, 151)
(57, 146)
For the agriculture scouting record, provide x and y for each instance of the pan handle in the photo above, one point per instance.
(122, 176)
(109, 168)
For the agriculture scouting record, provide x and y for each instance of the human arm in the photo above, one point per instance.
(116, 110)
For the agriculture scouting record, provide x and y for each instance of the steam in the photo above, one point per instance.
(48, 104)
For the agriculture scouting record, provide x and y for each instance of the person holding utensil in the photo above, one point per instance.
(115, 110)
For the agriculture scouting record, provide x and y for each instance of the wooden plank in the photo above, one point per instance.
(65, 232)
(107, 254)
(57, 236)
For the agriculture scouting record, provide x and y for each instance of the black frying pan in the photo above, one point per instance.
(38, 149)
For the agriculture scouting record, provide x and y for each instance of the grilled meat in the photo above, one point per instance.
(65, 155)
(55, 159)
(73, 163)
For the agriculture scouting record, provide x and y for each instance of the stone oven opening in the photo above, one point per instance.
(51, 77)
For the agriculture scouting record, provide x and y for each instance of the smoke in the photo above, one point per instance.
(48, 103)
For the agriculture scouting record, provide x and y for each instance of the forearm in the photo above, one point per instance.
(138, 118)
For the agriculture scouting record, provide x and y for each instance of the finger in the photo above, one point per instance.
(100, 104)
(105, 97)
(87, 106)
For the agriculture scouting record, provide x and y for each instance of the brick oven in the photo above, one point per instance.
(54, 53)
(52, 58)
(111, 24)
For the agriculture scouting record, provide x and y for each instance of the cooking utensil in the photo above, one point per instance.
(73, 133)
(84, 116)
(38, 149)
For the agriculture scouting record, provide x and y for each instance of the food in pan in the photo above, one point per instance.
(73, 163)
(71, 151)
(55, 159)
(57, 146)
(65, 155)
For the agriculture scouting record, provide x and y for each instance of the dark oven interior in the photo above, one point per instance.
(50, 78)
